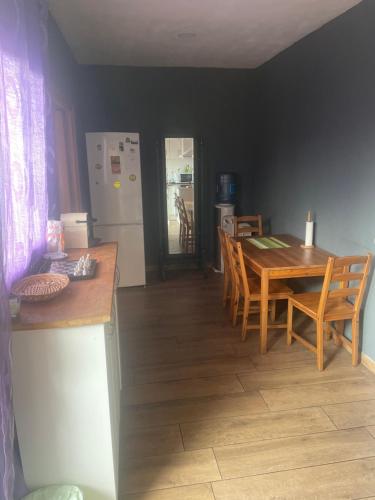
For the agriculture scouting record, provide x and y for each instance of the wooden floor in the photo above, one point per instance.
(205, 417)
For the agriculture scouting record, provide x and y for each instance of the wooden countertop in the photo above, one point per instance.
(86, 302)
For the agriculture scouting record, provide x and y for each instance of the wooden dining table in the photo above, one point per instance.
(293, 261)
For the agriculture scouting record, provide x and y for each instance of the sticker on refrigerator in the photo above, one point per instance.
(117, 184)
(133, 142)
(115, 165)
(132, 177)
(121, 146)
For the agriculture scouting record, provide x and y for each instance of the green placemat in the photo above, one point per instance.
(267, 243)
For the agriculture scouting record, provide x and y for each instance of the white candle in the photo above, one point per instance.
(309, 235)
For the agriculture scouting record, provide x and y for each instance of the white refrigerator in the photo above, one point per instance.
(114, 167)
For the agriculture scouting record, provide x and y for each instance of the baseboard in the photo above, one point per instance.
(152, 268)
(366, 361)
(156, 267)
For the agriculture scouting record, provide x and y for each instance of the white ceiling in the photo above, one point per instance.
(228, 33)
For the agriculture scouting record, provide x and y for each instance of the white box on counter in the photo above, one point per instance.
(76, 230)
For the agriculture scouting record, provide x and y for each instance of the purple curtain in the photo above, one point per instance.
(23, 182)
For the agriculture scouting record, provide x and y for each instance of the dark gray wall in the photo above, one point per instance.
(316, 140)
(63, 69)
(63, 84)
(157, 102)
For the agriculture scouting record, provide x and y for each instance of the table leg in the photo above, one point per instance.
(264, 311)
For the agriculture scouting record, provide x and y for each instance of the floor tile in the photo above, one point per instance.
(281, 360)
(152, 441)
(205, 350)
(278, 360)
(271, 425)
(168, 351)
(182, 389)
(195, 492)
(168, 471)
(188, 410)
(339, 481)
(221, 330)
(303, 375)
(207, 329)
(319, 394)
(355, 414)
(290, 453)
(187, 365)
(210, 368)
(147, 351)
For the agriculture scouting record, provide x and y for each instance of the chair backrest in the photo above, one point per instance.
(248, 225)
(178, 205)
(348, 276)
(237, 263)
(182, 212)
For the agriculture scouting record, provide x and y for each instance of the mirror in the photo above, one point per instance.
(179, 175)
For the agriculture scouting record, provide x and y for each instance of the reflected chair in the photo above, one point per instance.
(247, 289)
(339, 300)
(188, 239)
(248, 225)
(179, 211)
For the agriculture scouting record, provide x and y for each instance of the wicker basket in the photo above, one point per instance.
(40, 287)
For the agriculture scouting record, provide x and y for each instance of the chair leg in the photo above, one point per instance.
(189, 244)
(340, 325)
(232, 300)
(183, 236)
(273, 311)
(226, 287)
(355, 341)
(180, 235)
(289, 337)
(246, 310)
(235, 307)
(328, 330)
(186, 248)
(319, 344)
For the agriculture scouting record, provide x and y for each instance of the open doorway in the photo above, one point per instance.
(180, 195)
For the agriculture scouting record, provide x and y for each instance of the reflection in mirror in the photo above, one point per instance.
(179, 175)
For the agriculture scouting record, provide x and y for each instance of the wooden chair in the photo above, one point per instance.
(227, 271)
(247, 225)
(248, 289)
(333, 304)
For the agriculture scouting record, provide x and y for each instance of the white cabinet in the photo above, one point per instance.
(66, 385)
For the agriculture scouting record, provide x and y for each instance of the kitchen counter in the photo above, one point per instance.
(85, 302)
(66, 377)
